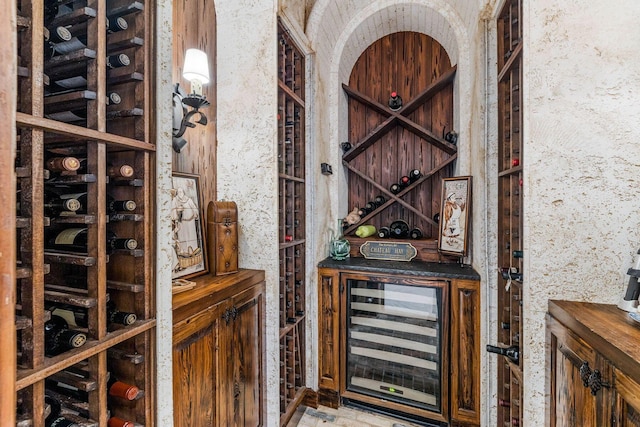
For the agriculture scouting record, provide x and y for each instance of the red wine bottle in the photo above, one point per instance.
(119, 422)
(62, 164)
(395, 101)
(512, 353)
(122, 390)
(58, 338)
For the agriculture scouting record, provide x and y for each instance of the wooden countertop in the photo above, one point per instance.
(411, 268)
(609, 330)
(211, 290)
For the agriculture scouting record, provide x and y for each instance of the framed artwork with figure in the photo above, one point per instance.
(454, 215)
(187, 238)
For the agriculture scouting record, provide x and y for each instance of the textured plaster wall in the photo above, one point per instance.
(247, 150)
(582, 127)
(164, 322)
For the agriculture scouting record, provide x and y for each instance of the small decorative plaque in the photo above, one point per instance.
(388, 251)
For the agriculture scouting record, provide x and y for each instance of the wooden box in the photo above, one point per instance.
(222, 233)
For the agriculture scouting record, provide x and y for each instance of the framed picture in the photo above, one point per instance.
(454, 215)
(188, 257)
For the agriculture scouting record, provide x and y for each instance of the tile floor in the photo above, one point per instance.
(347, 417)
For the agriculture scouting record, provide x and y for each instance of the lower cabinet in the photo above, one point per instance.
(402, 341)
(218, 357)
(594, 365)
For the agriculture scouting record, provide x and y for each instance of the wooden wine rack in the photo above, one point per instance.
(102, 136)
(291, 199)
(387, 144)
(510, 387)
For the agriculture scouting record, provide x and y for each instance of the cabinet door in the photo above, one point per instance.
(572, 403)
(242, 393)
(329, 336)
(196, 368)
(627, 407)
(465, 351)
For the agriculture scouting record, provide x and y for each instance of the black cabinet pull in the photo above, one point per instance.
(596, 383)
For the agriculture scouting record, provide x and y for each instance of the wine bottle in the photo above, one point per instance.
(50, 11)
(404, 181)
(518, 254)
(56, 36)
(436, 217)
(120, 171)
(414, 175)
(116, 24)
(380, 200)
(395, 188)
(384, 232)
(79, 316)
(122, 390)
(75, 240)
(62, 164)
(395, 101)
(512, 353)
(55, 204)
(59, 338)
(399, 229)
(117, 61)
(54, 419)
(113, 206)
(415, 233)
(119, 422)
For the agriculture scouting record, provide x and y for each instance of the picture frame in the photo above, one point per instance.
(453, 235)
(188, 241)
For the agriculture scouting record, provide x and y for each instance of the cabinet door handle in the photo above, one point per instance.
(596, 383)
(234, 312)
(227, 316)
(585, 373)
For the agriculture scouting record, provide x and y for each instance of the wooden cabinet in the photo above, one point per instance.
(218, 351)
(594, 365)
(510, 213)
(445, 295)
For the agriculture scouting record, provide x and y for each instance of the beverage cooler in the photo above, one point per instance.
(395, 342)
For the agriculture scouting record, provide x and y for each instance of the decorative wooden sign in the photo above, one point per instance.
(388, 251)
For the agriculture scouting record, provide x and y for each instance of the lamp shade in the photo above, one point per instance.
(196, 66)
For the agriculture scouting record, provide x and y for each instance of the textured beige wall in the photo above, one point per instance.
(582, 158)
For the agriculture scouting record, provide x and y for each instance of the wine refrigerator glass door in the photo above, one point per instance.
(394, 341)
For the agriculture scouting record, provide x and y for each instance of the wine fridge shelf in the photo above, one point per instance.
(83, 135)
(510, 215)
(291, 199)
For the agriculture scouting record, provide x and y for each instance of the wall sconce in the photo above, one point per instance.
(185, 107)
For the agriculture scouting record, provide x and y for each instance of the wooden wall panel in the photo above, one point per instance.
(194, 26)
(407, 63)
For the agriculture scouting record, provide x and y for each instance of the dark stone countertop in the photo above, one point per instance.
(410, 268)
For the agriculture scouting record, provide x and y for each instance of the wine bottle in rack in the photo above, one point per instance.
(384, 232)
(113, 206)
(54, 419)
(54, 204)
(78, 316)
(62, 164)
(119, 422)
(121, 170)
(404, 181)
(75, 240)
(55, 36)
(380, 200)
(58, 338)
(117, 61)
(512, 353)
(116, 24)
(395, 188)
(122, 390)
(414, 175)
(415, 233)
(399, 229)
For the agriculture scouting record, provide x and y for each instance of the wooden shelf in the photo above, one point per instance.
(510, 215)
(291, 201)
(48, 278)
